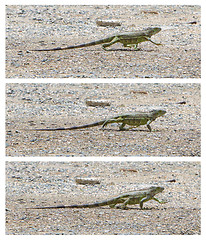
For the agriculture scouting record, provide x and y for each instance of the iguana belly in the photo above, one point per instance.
(135, 122)
(136, 40)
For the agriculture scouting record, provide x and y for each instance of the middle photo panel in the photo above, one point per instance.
(103, 119)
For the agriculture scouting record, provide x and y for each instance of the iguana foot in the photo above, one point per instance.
(122, 207)
(137, 49)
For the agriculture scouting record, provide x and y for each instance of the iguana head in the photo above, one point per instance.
(158, 112)
(152, 30)
(156, 189)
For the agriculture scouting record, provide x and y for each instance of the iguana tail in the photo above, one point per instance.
(92, 205)
(71, 128)
(78, 46)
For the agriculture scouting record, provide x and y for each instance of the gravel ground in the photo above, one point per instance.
(36, 27)
(31, 106)
(31, 183)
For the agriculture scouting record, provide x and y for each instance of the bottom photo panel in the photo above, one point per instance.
(103, 198)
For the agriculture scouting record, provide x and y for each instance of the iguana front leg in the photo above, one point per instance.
(148, 126)
(150, 121)
(159, 201)
(148, 39)
(148, 197)
(145, 199)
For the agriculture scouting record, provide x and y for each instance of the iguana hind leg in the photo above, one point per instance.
(121, 127)
(113, 120)
(113, 205)
(123, 205)
(114, 40)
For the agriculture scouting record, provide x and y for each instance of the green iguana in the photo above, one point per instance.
(128, 39)
(133, 120)
(129, 198)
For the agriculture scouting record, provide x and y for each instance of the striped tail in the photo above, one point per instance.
(71, 128)
(92, 205)
(77, 46)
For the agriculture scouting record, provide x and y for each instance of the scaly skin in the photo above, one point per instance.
(133, 120)
(129, 198)
(128, 39)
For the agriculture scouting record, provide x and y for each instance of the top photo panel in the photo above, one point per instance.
(103, 41)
